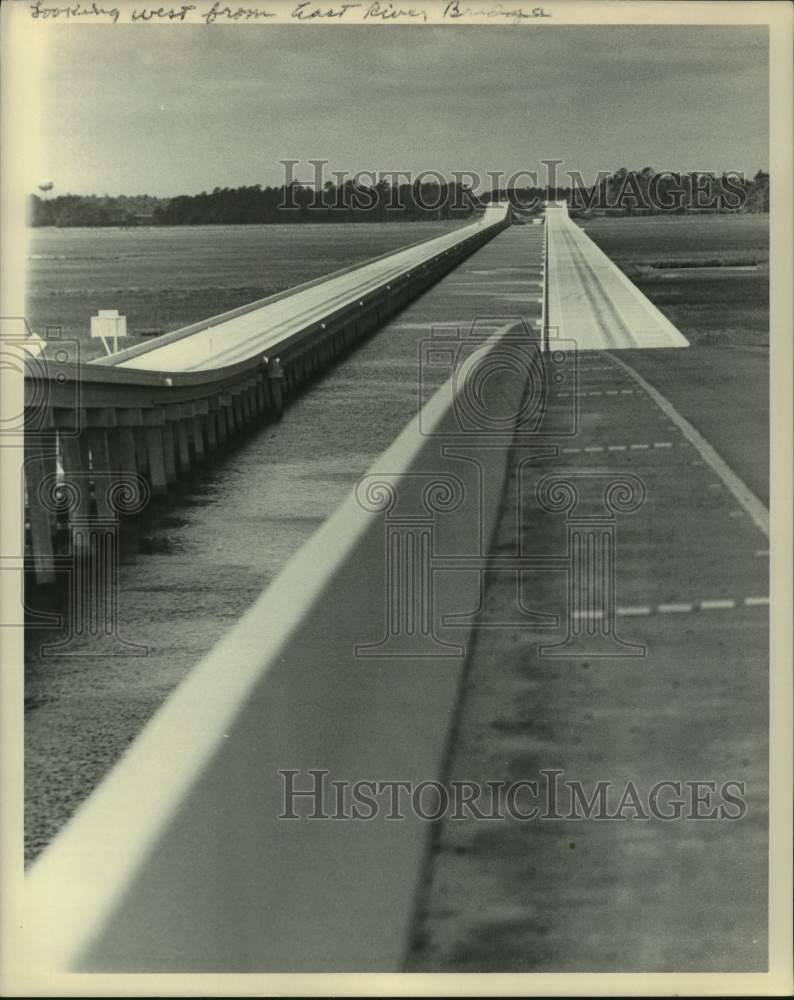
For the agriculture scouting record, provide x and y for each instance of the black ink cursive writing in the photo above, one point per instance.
(216, 12)
(387, 11)
(308, 10)
(178, 13)
(73, 10)
(515, 14)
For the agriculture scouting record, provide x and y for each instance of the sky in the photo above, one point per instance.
(166, 110)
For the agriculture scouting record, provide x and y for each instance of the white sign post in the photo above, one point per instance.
(107, 323)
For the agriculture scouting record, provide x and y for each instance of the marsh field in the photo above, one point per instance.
(163, 278)
(708, 274)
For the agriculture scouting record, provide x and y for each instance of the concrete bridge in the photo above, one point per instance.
(359, 670)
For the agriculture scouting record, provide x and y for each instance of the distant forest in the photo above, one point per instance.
(624, 192)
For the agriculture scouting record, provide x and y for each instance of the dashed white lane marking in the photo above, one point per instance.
(740, 490)
(600, 392)
(762, 553)
(711, 604)
(617, 447)
(736, 513)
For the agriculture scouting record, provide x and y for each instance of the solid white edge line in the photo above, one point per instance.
(739, 489)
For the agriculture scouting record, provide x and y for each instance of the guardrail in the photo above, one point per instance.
(183, 859)
(102, 426)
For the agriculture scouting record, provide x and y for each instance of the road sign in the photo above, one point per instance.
(106, 324)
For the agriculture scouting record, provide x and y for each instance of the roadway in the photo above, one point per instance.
(691, 589)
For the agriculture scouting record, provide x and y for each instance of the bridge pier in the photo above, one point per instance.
(40, 464)
(223, 415)
(97, 453)
(122, 451)
(169, 453)
(198, 437)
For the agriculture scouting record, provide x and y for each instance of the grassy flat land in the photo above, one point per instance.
(165, 278)
(721, 382)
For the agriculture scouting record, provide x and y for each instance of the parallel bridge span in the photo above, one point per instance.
(157, 408)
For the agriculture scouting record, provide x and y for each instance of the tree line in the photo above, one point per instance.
(624, 192)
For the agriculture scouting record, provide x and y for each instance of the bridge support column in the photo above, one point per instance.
(184, 445)
(245, 399)
(211, 424)
(236, 413)
(261, 401)
(155, 450)
(122, 450)
(39, 464)
(198, 437)
(223, 415)
(75, 468)
(169, 453)
(275, 376)
(141, 454)
(97, 453)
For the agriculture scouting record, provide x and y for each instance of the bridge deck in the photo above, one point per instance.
(226, 341)
(591, 301)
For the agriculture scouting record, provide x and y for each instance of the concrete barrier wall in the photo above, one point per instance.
(179, 861)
